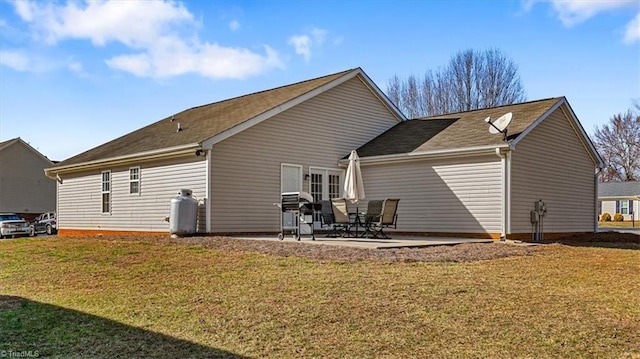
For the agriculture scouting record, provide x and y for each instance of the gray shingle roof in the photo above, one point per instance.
(619, 189)
(200, 123)
(457, 130)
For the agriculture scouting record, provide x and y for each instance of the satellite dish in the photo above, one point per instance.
(500, 125)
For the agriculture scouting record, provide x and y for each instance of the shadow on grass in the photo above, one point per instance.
(609, 239)
(33, 329)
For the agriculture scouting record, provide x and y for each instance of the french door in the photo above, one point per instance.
(324, 184)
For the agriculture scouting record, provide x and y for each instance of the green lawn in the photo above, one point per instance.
(110, 299)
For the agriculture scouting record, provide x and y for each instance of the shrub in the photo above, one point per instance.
(618, 217)
(605, 217)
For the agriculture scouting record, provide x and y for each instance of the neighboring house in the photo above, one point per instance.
(620, 197)
(455, 178)
(238, 155)
(24, 188)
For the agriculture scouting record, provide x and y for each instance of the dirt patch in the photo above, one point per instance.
(467, 252)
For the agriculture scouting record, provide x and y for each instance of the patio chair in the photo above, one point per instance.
(388, 219)
(341, 220)
(374, 210)
(327, 219)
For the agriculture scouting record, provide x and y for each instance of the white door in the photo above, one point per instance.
(324, 184)
(290, 181)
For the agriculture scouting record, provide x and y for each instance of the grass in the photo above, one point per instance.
(110, 299)
(624, 224)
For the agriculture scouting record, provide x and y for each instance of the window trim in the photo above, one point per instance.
(624, 210)
(138, 180)
(107, 192)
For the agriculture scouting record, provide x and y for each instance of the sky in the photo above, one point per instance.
(77, 74)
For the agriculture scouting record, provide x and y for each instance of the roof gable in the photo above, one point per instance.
(20, 141)
(204, 123)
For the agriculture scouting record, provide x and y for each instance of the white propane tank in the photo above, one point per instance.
(184, 214)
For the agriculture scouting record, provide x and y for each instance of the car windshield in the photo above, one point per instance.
(9, 217)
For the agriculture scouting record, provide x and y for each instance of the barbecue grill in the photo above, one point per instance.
(301, 206)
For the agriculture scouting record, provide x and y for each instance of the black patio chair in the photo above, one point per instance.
(387, 219)
(374, 210)
(327, 219)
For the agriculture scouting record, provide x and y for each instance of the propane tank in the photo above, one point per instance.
(184, 214)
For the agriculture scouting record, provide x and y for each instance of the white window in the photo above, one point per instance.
(106, 192)
(624, 207)
(134, 180)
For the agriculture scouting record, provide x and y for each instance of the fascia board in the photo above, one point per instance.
(170, 152)
(412, 156)
(381, 96)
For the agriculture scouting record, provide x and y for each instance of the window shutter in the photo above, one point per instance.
(617, 206)
(630, 206)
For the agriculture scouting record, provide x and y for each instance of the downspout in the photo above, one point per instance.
(208, 202)
(505, 159)
(596, 181)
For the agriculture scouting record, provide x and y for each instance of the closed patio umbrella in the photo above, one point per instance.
(353, 184)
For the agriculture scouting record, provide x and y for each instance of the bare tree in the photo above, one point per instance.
(470, 81)
(618, 142)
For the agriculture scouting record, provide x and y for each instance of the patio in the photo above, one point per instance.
(396, 241)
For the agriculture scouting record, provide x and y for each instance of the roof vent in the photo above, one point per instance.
(179, 127)
(173, 118)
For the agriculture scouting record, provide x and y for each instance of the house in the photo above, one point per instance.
(236, 155)
(456, 178)
(619, 197)
(453, 177)
(24, 188)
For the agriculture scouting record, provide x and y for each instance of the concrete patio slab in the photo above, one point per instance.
(375, 243)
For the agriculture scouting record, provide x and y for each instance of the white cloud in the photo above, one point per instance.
(234, 25)
(159, 33)
(318, 36)
(574, 12)
(632, 33)
(302, 45)
(15, 59)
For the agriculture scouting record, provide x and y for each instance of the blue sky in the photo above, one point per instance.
(74, 75)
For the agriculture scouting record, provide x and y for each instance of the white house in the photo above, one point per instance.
(238, 155)
(620, 197)
(24, 188)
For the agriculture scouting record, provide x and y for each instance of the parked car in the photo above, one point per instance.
(45, 223)
(11, 225)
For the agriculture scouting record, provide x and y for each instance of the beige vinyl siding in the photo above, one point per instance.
(454, 196)
(245, 171)
(24, 188)
(551, 164)
(80, 196)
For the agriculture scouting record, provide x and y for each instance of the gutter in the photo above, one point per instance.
(176, 151)
(412, 156)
